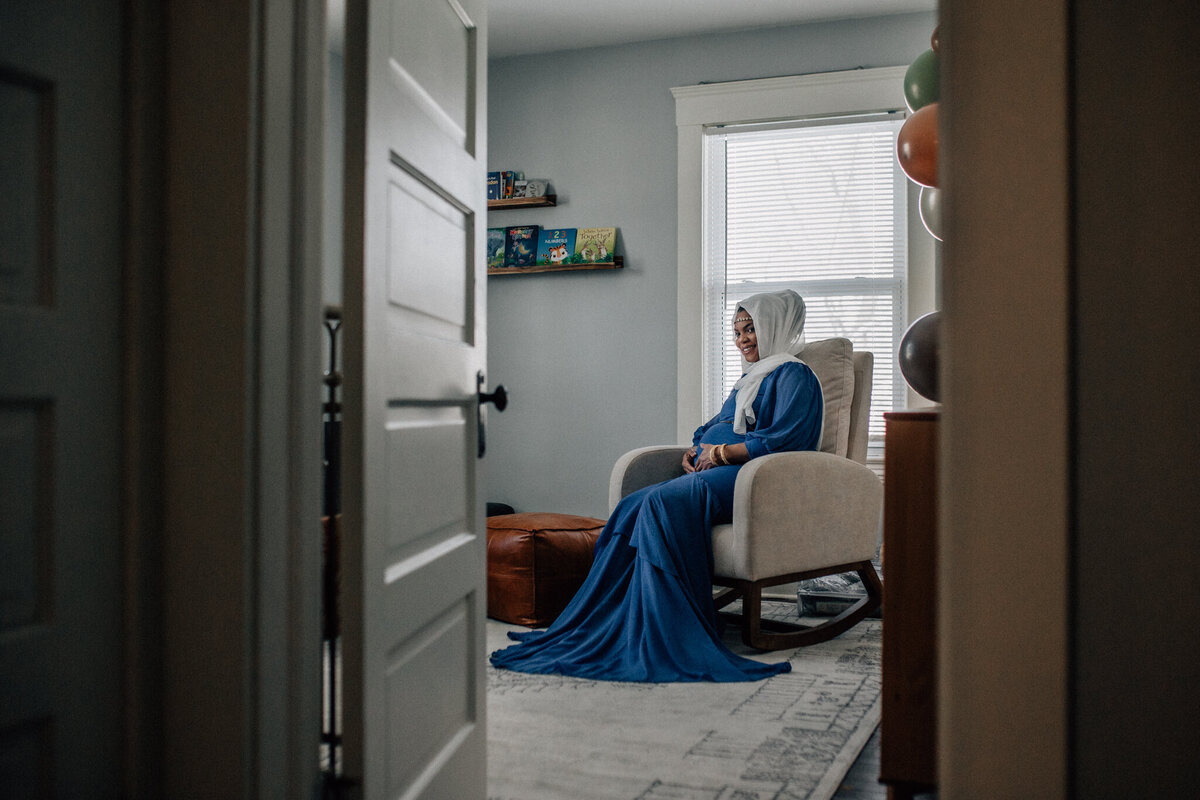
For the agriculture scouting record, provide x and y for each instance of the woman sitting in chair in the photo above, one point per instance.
(645, 612)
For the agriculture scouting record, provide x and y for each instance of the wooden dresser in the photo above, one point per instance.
(908, 730)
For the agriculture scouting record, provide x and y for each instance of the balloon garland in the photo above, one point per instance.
(931, 210)
(917, 143)
(919, 353)
(916, 150)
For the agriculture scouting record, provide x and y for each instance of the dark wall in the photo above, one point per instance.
(1137, 382)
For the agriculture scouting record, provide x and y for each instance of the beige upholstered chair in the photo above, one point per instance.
(795, 515)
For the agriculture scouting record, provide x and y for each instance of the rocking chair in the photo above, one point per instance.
(796, 515)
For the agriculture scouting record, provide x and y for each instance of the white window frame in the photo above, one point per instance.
(761, 101)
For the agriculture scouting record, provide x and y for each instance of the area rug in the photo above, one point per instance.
(789, 737)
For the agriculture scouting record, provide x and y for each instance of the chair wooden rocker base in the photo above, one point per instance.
(769, 634)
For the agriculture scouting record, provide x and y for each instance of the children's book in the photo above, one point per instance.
(493, 186)
(495, 247)
(520, 245)
(507, 179)
(555, 246)
(595, 245)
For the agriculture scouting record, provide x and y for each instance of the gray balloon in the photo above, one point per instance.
(918, 356)
(931, 210)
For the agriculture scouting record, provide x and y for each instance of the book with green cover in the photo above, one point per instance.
(595, 245)
(495, 247)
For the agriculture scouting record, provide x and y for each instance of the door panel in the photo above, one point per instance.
(414, 305)
(61, 201)
(431, 58)
(430, 260)
(26, 430)
(26, 225)
(440, 435)
(430, 686)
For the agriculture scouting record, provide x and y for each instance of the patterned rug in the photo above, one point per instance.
(789, 737)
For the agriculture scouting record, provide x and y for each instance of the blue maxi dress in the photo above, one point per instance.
(645, 612)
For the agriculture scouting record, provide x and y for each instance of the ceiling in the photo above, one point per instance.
(526, 27)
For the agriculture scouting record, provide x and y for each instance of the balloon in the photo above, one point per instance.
(931, 210)
(916, 146)
(918, 356)
(922, 81)
(935, 41)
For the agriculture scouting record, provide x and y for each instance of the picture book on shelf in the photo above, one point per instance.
(507, 179)
(493, 186)
(520, 245)
(555, 246)
(595, 245)
(495, 247)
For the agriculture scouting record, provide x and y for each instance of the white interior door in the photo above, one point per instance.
(60, 278)
(414, 296)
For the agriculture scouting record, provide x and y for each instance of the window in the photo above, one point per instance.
(809, 162)
(817, 206)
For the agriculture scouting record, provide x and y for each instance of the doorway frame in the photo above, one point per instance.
(223, 325)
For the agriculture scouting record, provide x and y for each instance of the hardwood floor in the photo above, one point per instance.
(862, 781)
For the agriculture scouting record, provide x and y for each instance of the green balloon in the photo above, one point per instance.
(922, 81)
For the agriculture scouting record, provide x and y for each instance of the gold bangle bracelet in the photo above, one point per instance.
(720, 454)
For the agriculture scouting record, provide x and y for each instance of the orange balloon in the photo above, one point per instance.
(935, 41)
(916, 146)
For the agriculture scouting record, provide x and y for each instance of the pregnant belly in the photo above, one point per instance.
(721, 433)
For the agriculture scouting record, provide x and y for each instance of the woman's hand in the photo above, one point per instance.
(705, 460)
(730, 455)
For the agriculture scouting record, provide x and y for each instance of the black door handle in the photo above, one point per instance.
(499, 398)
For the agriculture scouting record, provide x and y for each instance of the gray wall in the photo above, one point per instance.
(589, 357)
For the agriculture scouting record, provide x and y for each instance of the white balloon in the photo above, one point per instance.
(931, 210)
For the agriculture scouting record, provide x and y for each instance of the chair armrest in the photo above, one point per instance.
(643, 467)
(803, 510)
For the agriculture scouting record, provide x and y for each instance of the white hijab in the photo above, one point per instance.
(779, 325)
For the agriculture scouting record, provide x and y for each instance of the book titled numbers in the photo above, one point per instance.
(556, 247)
(595, 245)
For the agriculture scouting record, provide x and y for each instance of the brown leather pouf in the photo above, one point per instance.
(535, 564)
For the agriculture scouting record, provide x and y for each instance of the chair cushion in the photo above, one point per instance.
(833, 362)
(798, 511)
(535, 564)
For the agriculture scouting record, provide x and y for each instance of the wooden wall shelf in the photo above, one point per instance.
(524, 202)
(618, 263)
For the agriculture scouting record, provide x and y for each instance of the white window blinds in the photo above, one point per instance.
(818, 207)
